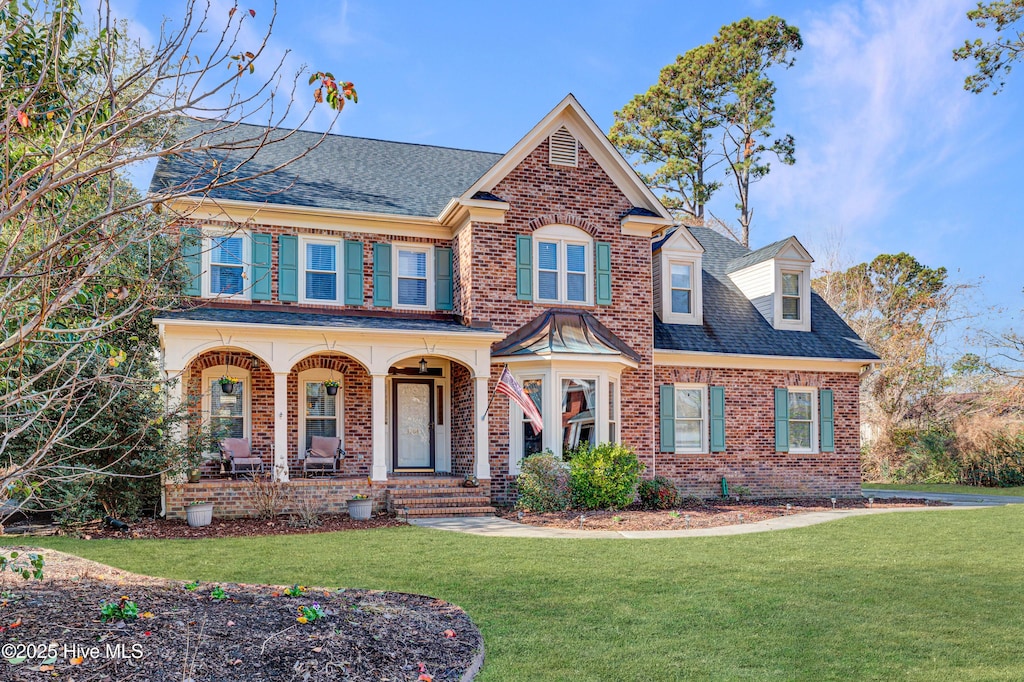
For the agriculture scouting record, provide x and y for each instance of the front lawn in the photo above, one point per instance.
(947, 488)
(914, 596)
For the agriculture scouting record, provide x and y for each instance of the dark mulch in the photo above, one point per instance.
(251, 635)
(693, 513)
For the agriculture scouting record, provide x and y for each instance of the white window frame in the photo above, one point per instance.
(705, 419)
(319, 375)
(412, 246)
(212, 374)
(207, 265)
(614, 402)
(339, 247)
(696, 314)
(517, 418)
(563, 235)
(813, 392)
(804, 271)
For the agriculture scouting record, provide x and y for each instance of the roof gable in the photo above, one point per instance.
(789, 248)
(571, 115)
(678, 239)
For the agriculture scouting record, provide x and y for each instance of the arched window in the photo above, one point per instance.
(320, 413)
(564, 271)
(227, 410)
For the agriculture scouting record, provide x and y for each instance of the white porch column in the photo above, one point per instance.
(378, 402)
(483, 431)
(177, 396)
(280, 426)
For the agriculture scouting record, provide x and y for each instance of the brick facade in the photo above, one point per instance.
(750, 458)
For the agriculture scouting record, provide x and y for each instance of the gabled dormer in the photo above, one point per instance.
(777, 280)
(676, 266)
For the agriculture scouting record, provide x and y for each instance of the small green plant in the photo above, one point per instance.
(657, 493)
(295, 591)
(543, 484)
(673, 514)
(332, 383)
(310, 614)
(124, 609)
(604, 476)
(741, 491)
(192, 586)
(218, 593)
(360, 496)
(617, 519)
(28, 566)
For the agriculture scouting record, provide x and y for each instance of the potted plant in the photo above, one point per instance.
(199, 514)
(227, 384)
(332, 386)
(360, 507)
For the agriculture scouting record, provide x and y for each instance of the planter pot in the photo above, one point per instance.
(199, 514)
(227, 388)
(360, 510)
(194, 476)
(332, 390)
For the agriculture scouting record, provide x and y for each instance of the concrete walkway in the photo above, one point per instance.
(958, 499)
(498, 527)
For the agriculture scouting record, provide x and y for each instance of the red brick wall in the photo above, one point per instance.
(750, 458)
(540, 194)
(463, 432)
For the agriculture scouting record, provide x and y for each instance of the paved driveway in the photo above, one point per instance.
(957, 499)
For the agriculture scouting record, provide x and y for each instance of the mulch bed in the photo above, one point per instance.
(697, 514)
(252, 634)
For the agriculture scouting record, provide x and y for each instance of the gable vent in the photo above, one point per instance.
(562, 148)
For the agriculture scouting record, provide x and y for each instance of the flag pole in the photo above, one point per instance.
(493, 393)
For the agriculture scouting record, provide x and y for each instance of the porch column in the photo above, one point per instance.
(378, 403)
(280, 426)
(176, 397)
(483, 431)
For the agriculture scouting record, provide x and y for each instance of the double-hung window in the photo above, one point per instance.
(564, 265)
(791, 296)
(412, 277)
(321, 272)
(682, 288)
(691, 418)
(802, 427)
(227, 265)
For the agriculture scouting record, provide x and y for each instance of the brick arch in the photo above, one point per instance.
(563, 218)
(233, 358)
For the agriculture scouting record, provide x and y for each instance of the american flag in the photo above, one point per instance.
(508, 385)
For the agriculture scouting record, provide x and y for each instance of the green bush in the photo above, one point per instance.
(604, 476)
(543, 484)
(657, 493)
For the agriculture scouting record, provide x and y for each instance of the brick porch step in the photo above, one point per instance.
(423, 512)
(440, 501)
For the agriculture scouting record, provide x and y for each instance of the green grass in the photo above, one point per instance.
(947, 488)
(909, 596)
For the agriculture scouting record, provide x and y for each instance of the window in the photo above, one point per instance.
(320, 412)
(691, 418)
(579, 413)
(564, 270)
(227, 266)
(413, 274)
(682, 288)
(613, 412)
(802, 427)
(226, 414)
(791, 296)
(531, 439)
(321, 271)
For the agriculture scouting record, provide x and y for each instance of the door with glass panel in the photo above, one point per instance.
(412, 430)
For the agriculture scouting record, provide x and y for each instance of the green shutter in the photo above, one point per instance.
(828, 429)
(382, 275)
(717, 418)
(288, 268)
(443, 292)
(261, 247)
(781, 420)
(603, 277)
(353, 272)
(524, 267)
(192, 254)
(667, 418)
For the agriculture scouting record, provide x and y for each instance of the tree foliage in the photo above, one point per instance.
(994, 58)
(713, 107)
(85, 260)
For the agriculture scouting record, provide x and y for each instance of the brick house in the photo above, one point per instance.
(412, 275)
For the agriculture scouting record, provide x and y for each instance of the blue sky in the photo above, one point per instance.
(892, 154)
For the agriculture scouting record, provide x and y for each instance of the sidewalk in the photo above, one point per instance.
(498, 527)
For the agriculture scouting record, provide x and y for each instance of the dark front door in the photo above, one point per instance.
(412, 424)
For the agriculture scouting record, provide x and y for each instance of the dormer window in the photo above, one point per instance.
(791, 296)
(677, 272)
(777, 281)
(682, 288)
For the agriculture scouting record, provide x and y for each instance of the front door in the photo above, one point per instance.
(412, 430)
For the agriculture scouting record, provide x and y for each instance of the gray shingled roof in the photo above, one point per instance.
(733, 325)
(344, 173)
(758, 256)
(295, 317)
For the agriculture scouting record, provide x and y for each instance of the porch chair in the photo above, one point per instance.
(238, 456)
(323, 456)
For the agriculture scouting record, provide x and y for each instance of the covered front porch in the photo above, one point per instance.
(400, 396)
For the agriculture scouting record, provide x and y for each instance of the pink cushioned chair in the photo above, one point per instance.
(238, 454)
(323, 456)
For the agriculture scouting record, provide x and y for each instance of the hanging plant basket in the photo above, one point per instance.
(332, 387)
(227, 384)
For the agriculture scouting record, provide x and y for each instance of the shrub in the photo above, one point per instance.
(544, 484)
(604, 476)
(657, 493)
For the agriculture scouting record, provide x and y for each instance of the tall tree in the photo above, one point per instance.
(714, 106)
(84, 259)
(994, 58)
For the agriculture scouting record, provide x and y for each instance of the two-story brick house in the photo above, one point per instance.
(413, 274)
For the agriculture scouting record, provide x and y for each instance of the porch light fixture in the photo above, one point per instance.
(255, 362)
(423, 365)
